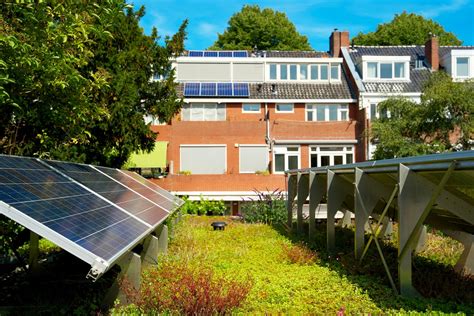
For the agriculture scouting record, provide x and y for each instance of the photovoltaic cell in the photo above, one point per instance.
(241, 89)
(225, 54)
(224, 89)
(195, 53)
(240, 54)
(192, 89)
(210, 54)
(208, 89)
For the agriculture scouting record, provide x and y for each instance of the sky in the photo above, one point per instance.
(314, 18)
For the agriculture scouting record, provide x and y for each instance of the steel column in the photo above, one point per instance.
(317, 189)
(302, 195)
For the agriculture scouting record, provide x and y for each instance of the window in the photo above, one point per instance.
(203, 112)
(253, 158)
(462, 67)
(283, 72)
(333, 112)
(399, 70)
(303, 72)
(293, 72)
(373, 111)
(314, 72)
(385, 71)
(376, 113)
(330, 155)
(324, 72)
(203, 159)
(286, 158)
(273, 71)
(284, 107)
(251, 108)
(335, 72)
(372, 70)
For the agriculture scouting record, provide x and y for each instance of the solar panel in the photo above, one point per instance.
(191, 89)
(210, 54)
(208, 89)
(195, 53)
(224, 89)
(241, 89)
(84, 210)
(240, 54)
(225, 54)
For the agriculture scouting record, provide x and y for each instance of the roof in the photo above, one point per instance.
(282, 54)
(297, 90)
(417, 76)
(443, 50)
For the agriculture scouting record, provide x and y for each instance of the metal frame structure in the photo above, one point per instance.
(437, 190)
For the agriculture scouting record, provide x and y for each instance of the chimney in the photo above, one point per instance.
(432, 52)
(337, 40)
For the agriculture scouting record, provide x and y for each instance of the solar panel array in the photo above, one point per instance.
(216, 89)
(212, 53)
(95, 213)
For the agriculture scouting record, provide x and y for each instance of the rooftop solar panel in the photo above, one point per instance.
(240, 54)
(80, 208)
(208, 89)
(224, 89)
(210, 53)
(225, 54)
(195, 53)
(191, 89)
(241, 89)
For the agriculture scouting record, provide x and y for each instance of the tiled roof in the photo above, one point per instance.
(417, 76)
(443, 50)
(296, 54)
(307, 91)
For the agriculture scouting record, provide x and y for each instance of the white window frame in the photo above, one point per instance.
(316, 149)
(203, 104)
(203, 145)
(386, 60)
(251, 112)
(308, 74)
(279, 111)
(468, 66)
(340, 108)
(283, 150)
(240, 157)
(377, 112)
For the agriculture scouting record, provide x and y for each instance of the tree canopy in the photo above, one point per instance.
(443, 121)
(266, 29)
(75, 81)
(406, 29)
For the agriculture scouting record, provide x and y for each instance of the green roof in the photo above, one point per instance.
(154, 159)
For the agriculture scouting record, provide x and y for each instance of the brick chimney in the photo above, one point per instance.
(432, 52)
(337, 40)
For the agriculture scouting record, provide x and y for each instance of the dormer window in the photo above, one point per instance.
(304, 72)
(459, 63)
(462, 67)
(385, 67)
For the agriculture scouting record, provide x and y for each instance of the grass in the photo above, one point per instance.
(289, 277)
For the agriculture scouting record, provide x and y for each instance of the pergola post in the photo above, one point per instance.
(302, 195)
(162, 233)
(317, 189)
(465, 264)
(292, 191)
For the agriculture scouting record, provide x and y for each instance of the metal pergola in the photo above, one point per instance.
(437, 190)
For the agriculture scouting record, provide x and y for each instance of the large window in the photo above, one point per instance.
(251, 108)
(305, 72)
(253, 158)
(330, 155)
(462, 67)
(284, 107)
(286, 158)
(331, 112)
(203, 112)
(203, 159)
(376, 113)
(386, 70)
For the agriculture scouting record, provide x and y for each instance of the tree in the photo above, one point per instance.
(406, 29)
(265, 29)
(75, 81)
(443, 121)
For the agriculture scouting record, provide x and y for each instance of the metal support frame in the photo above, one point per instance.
(292, 190)
(301, 197)
(162, 233)
(337, 190)
(415, 200)
(34, 252)
(317, 189)
(465, 264)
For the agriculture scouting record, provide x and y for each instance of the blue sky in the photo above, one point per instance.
(313, 18)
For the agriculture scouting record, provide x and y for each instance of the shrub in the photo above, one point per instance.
(203, 207)
(298, 254)
(267, 208)
(183, 289)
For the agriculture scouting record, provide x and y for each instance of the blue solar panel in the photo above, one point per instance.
(224, 89)
(191, 89)
(208, 89)
(240, 54)
(241, 89)
(210, 53)
(195, 53)
(225, 54)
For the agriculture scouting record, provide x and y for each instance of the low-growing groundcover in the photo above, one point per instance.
(270, 275)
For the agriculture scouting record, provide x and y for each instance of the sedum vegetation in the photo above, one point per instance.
(270, 275)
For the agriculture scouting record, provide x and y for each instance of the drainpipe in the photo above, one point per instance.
(267, 122)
